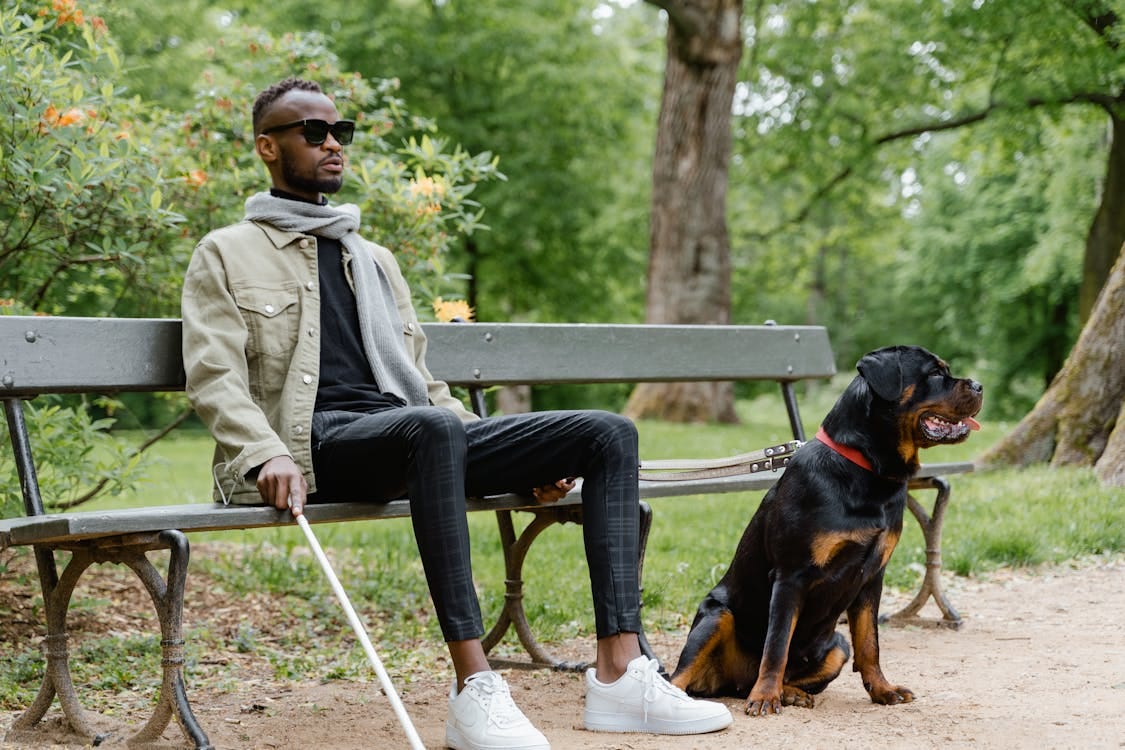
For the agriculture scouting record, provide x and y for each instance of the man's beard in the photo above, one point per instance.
(309, 184)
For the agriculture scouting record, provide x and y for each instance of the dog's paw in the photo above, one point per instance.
(890, 695)
(794, 696)
(763, 705)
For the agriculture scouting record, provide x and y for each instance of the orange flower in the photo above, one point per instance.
(197, 178)
(72, 116)
(52, 118)
(455, 308)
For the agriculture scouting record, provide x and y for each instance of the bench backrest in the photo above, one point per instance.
(106, 355)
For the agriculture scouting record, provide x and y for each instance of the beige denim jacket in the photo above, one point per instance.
(251, 347)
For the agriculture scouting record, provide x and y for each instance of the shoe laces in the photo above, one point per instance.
(654, 685)
(502, 711)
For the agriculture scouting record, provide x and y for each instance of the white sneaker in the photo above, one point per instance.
(643, 701)
(484, 717)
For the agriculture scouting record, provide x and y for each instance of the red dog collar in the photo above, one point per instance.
(851, 454)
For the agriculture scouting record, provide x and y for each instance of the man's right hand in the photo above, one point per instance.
(280, 481)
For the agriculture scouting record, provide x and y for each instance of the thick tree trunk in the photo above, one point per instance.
(1110, 468)
(1107, 232)
(1079, 421)
(689, 260)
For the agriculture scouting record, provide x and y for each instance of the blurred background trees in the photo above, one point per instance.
(948, 174)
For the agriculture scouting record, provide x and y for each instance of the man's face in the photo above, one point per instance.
(297, 166)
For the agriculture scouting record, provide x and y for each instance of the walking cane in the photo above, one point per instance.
(353, 618)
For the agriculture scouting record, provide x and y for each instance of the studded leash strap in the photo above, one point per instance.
(677, 470)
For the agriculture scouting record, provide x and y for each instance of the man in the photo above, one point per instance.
(305, 359)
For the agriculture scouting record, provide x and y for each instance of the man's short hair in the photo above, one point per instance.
(269, 96)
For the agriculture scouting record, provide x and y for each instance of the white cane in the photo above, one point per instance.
(388, 688)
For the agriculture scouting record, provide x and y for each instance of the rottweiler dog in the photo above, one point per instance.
(818, 545)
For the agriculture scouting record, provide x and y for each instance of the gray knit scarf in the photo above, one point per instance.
(379, 322)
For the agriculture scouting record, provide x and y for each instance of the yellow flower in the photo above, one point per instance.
(428, 187)
(454, 308)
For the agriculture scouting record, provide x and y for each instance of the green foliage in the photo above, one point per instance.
(74, 454)
(853, 205)
(82, 211)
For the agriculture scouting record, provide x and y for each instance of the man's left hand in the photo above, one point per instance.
(552, 493)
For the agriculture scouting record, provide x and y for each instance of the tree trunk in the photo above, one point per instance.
(1079, 420)
(1107, 232)
(689, 260)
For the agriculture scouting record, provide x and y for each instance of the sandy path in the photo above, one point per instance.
(1039, 663)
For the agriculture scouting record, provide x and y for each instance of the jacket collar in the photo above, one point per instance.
(279, 237)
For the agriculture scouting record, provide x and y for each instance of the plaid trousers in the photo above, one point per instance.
(428, 454)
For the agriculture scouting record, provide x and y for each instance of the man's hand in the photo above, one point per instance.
(552, 493)
(279, 480)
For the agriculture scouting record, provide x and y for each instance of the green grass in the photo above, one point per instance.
(1004, 518)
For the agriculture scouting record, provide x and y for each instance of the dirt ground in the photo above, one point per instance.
(1038, 663)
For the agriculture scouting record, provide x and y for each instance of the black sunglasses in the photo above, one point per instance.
(316, 131)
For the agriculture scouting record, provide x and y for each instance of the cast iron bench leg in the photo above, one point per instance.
(168, 597)
(515, 552)
(56, 679)
(931, 583)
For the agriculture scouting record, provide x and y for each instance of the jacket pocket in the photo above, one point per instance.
(272, 315)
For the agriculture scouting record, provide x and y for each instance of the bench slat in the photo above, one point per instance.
(190, 517)
(497, 353)
(103, 355)
(88, 355)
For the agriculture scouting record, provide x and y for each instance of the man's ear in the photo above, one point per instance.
(267, 148)
(882, 369)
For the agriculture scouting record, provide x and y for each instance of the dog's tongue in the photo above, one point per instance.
(971, 423)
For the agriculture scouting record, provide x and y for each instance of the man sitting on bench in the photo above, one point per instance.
(305, 359)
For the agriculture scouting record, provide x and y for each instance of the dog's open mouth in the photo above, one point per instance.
(940, 429)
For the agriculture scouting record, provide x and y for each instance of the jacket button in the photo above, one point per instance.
(410, 327)
(303, 244)
(307, 379)
(310, 286)
(269, 309)
(298, 429)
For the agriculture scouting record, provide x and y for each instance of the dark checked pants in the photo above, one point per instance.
(437, 460)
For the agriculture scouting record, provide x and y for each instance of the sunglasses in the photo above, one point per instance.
(316, 131)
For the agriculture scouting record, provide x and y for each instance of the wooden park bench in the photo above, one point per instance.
(49, 355)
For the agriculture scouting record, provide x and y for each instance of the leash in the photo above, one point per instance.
(675, 470)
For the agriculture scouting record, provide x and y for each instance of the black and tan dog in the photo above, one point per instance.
(818, 545)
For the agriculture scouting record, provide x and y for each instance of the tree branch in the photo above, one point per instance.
(1102, 100)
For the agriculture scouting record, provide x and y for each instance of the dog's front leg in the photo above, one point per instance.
(863, 622)
(785, 603)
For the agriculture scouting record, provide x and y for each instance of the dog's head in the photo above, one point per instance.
(904, 399)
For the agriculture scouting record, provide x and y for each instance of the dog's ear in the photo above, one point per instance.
(882, 369)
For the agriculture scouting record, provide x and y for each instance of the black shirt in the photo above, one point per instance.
(346, 381)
